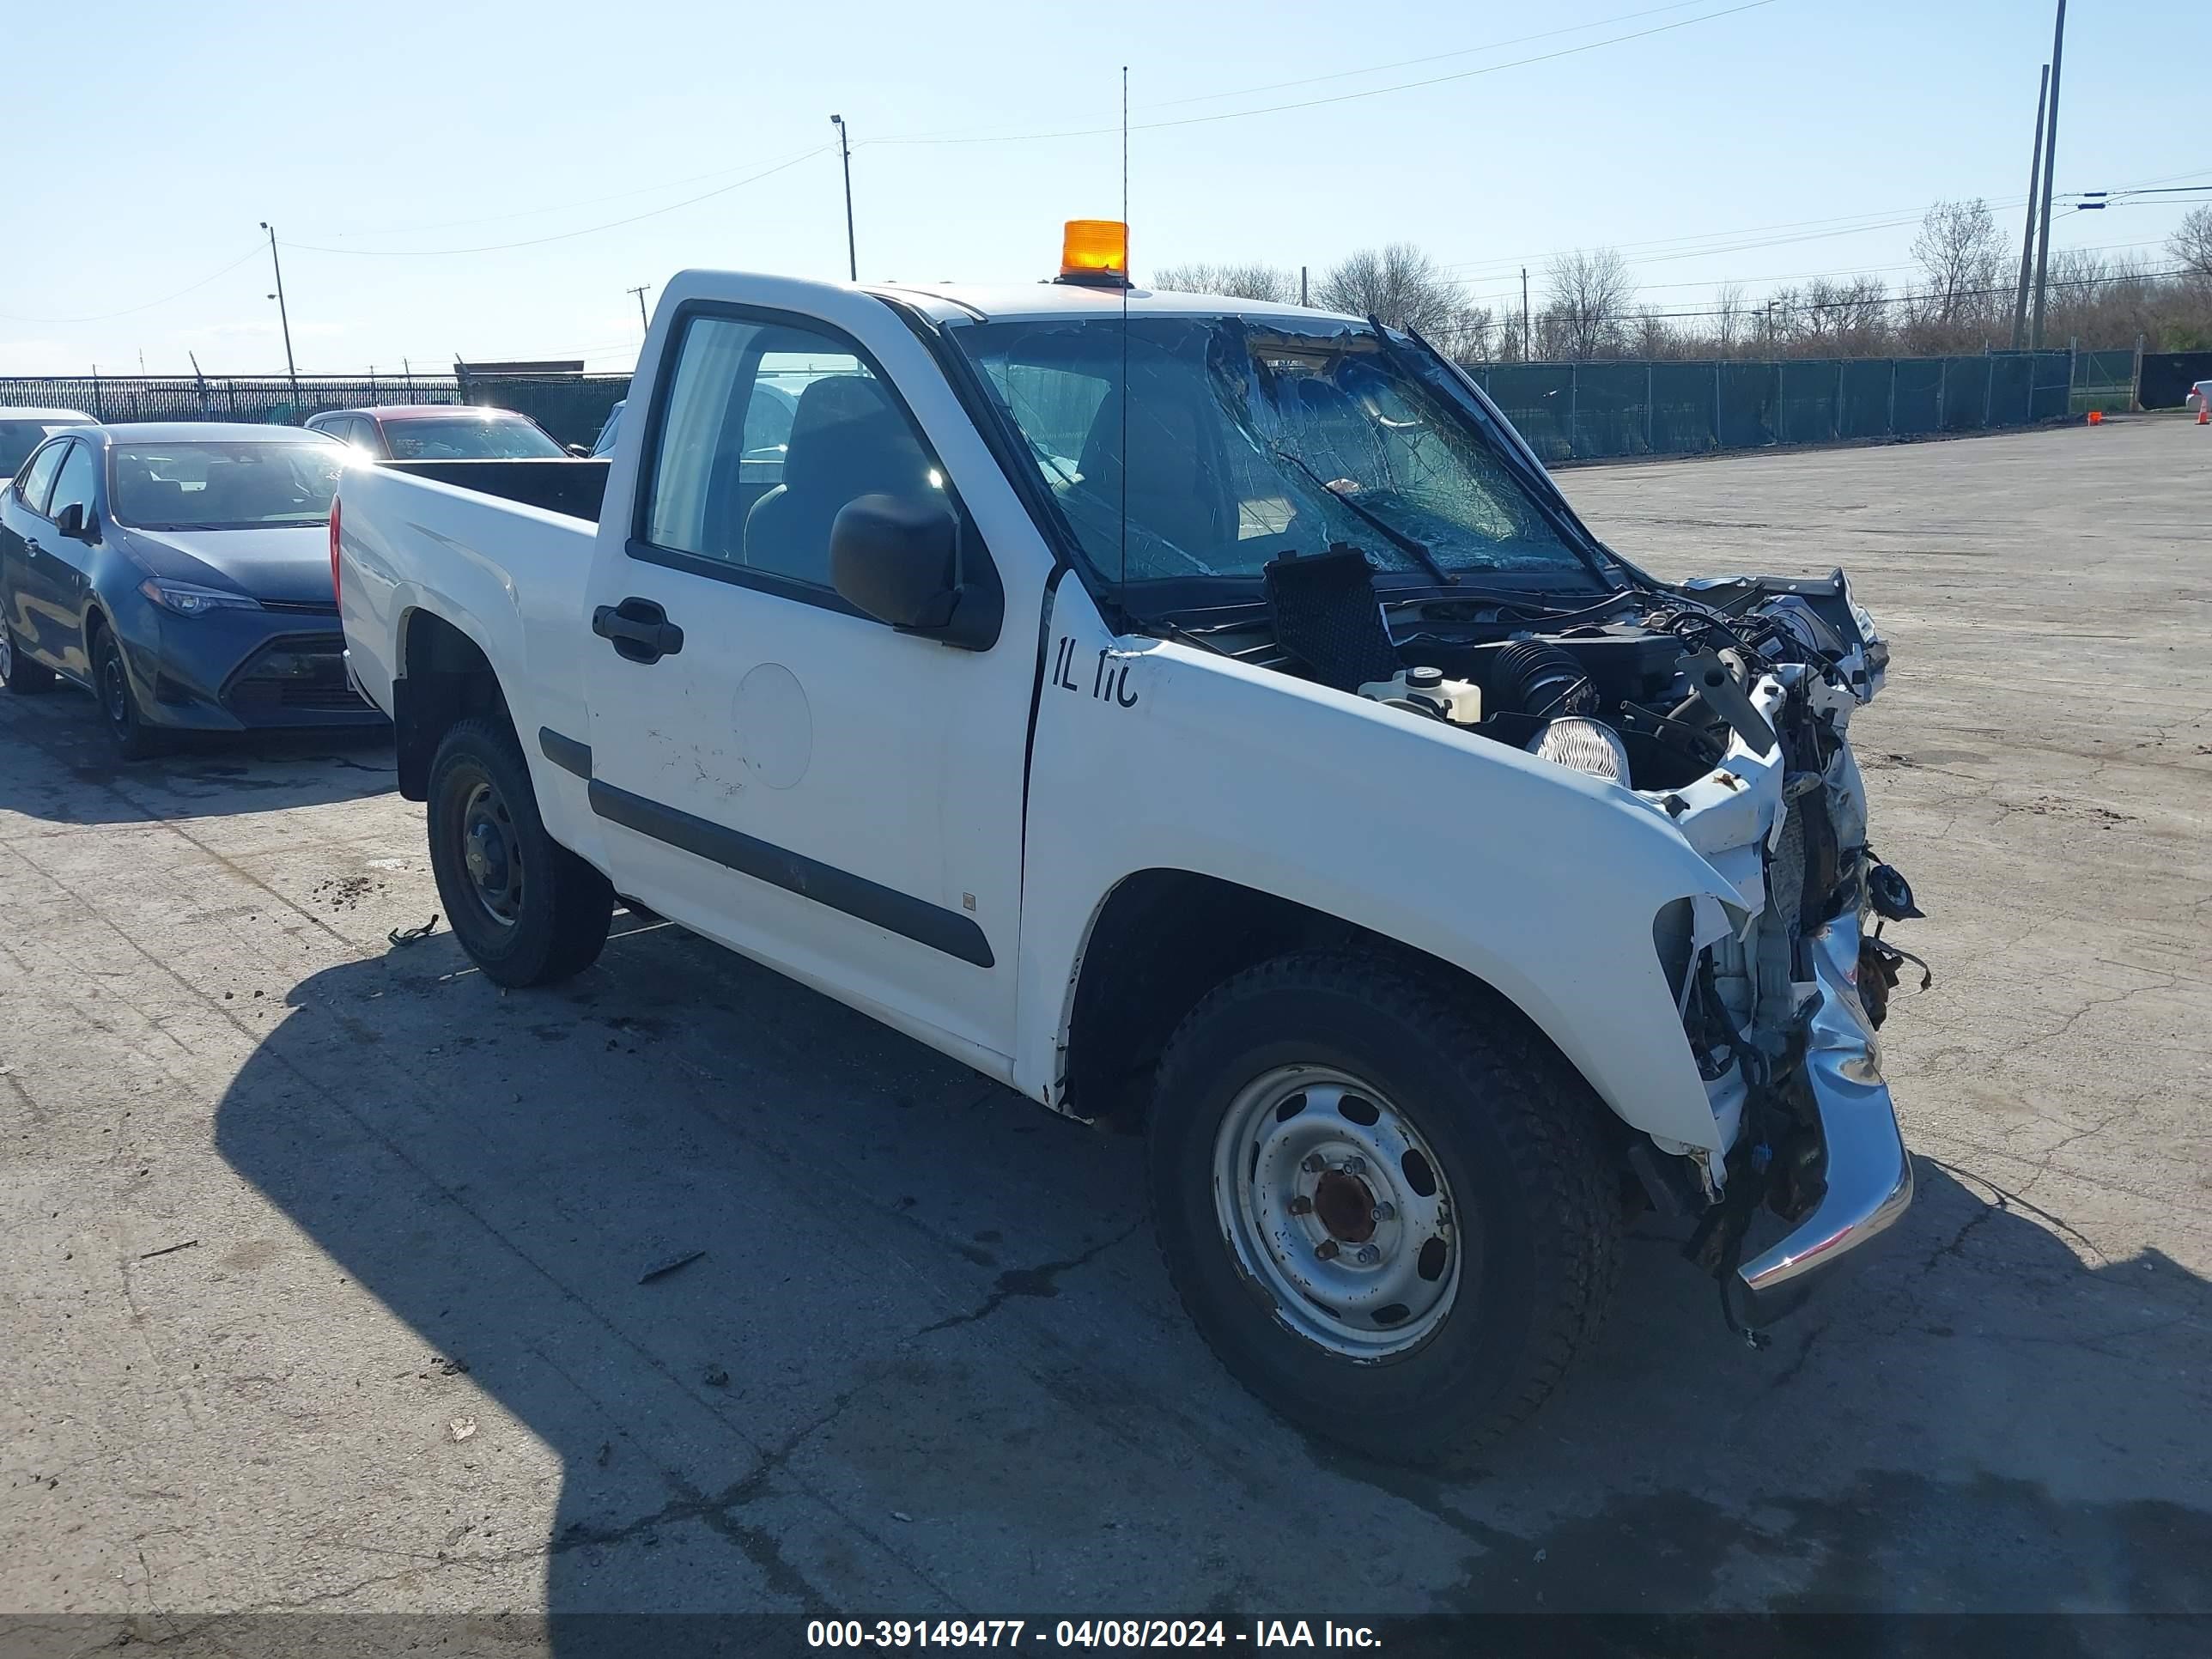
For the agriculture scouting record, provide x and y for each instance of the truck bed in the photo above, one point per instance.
(571, 485)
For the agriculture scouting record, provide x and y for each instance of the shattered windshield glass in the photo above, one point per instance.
(1249, 437)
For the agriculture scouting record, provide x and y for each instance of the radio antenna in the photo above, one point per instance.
(1127, 277)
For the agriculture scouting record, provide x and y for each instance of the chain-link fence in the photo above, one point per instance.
(2104, 380)
(1586, 411)
(263, 400)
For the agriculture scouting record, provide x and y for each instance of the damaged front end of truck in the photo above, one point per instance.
(1782, 1011)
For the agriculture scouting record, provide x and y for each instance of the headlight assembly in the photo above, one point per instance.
(183, 599)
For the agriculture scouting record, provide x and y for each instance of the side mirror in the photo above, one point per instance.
(75, 522)
(895, 557)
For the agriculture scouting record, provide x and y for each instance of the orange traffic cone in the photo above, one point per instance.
(2204, 411)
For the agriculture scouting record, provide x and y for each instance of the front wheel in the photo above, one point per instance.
(1385, 1206)
(119, 708)
(527, 909)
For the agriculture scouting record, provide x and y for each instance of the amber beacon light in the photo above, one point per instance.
(1095, 251)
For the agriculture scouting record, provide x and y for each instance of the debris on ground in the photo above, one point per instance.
(166, 1249)
(408, 935)
(716, 1377)
(461, 1428)
(668, 1266)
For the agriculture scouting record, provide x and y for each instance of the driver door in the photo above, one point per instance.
(770, 766)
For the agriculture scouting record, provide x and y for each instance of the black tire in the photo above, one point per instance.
(21, 673)
(120, 712)
(1535, 1214)
(547, 923)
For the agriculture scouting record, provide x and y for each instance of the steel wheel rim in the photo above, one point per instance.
(1318, 1182)
(489, 855)
(114, 694)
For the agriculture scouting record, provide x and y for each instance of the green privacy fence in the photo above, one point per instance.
(572, 407)
(1567, 411)
(1592, 410)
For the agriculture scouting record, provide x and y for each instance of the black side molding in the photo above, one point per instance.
(565, 752)
(840, 890)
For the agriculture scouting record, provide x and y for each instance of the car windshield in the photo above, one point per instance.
(201, 484)
(18, 438)
(468, 438)
(1249, 437)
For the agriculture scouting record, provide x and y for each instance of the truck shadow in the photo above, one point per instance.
(63, 768)
(815, 1320)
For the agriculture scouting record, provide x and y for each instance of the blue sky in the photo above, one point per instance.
(396, 145)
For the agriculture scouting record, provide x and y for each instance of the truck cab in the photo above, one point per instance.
(1204, 717)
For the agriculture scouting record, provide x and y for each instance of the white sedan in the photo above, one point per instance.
(2199, 395)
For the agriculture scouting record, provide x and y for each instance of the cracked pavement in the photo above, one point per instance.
(929, 1363)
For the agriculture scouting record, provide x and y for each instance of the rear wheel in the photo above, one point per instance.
(1387, 1212)
(18, 672)
(527, 909)
(119, 703)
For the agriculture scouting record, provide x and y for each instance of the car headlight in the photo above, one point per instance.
(183, 599)
(1586, 746)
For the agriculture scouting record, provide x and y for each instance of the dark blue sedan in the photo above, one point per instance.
(183, 573)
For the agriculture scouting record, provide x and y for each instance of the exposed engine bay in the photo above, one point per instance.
(1723, 704)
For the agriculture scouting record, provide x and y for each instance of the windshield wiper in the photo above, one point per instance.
(1397, 537)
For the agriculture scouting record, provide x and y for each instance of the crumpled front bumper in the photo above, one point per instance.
(1869, 1174)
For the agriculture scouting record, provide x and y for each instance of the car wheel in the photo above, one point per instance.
(1385, 1208)
(527, 909)
(18, 672)
(118, 704)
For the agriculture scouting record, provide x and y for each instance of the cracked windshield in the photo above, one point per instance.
(1249, 438)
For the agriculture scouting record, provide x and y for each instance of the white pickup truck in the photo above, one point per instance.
(1201, 715)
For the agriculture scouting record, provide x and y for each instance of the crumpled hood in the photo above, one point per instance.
(288, 563)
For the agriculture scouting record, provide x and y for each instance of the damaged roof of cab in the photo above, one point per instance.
(947, 302)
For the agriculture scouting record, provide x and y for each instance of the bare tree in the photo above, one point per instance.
(1249, 281)
(1399, 284)
(1470, 336)
(1728, 323)
(2192, 243)
(1654, 336)
(1587, 295)
(1842, 319)
(1962, 258)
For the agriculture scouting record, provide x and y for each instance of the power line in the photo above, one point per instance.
(1341, 97)
(998, 128)
(565, 235)
(253, 253)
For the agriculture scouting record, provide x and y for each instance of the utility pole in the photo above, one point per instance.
(845, 152)
(2027, 237)
(291, 369)
(1302, 285)
(2050, 165)
(1525, 352)
(643, 321)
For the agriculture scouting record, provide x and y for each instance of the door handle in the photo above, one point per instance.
(639, 630)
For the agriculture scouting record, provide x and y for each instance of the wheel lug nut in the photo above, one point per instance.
(1384, 1213)
(1314, 1164)
(1302, 1205)
(1369, 1255)
(1355, 1166)
(1326, 1249)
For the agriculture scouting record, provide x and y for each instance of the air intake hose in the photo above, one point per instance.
(1538, 680)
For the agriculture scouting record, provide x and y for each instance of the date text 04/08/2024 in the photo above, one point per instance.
(1086, 1633)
